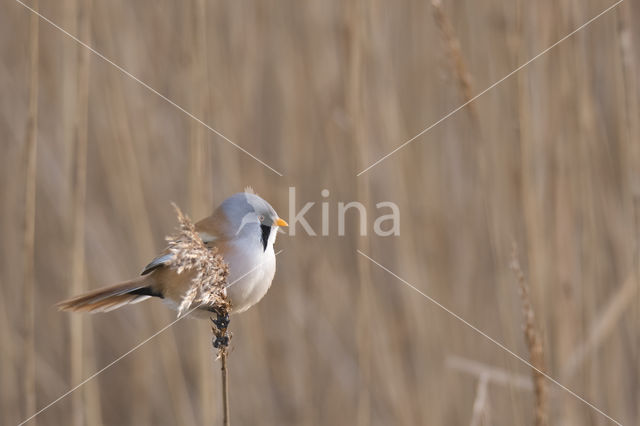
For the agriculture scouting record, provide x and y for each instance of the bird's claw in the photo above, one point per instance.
(220, 341)
(221, 324)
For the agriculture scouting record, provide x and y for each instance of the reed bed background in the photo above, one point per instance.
(549, 159)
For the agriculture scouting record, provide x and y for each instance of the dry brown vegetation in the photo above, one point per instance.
(550, 158)
(533, 339)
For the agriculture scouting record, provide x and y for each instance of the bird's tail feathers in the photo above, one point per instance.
(112, 297)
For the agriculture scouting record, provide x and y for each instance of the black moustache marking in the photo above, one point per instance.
(266, 230)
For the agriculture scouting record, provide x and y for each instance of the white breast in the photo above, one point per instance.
(251, 270)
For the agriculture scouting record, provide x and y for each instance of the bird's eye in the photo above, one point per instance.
(261, 218)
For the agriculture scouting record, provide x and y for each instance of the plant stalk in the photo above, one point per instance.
(225, 388)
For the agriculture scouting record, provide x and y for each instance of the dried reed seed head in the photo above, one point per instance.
(208, 286)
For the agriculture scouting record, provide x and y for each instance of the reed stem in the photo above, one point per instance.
(221, 338)
(225, 388)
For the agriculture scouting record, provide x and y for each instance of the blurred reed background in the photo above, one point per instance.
(549, 159)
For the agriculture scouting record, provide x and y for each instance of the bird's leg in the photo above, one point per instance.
(219, 328)
(222, 320)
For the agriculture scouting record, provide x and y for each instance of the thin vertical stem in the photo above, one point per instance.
(225, 388)
(357, 40)
(221, 338)
(534, 343)
(458, 63)
(30, 221)
(79, 197)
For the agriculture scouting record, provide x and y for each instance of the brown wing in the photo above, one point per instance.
(209, 230)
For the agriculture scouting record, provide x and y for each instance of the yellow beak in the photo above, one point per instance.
(281, 222)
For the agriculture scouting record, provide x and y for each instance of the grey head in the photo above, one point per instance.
(248, 213)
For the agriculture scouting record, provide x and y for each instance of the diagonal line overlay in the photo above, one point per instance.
(491, 339)
(136, 347)
(425, 130)
(145, 85)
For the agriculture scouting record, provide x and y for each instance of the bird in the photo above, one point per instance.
(243, 229)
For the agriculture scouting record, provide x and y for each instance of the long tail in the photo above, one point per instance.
(112, 297)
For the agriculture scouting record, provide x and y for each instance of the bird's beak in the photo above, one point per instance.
(281, 222)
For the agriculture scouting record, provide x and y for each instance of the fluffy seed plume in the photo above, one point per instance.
(211, 272)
